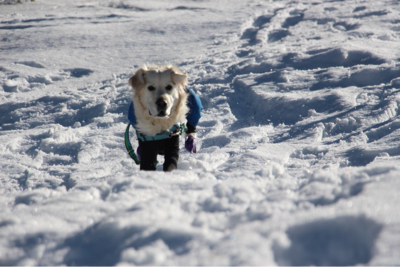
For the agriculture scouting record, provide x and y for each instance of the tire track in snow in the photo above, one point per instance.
(251, 107)
(68, 116)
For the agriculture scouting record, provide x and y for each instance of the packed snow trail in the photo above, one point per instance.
(298, 148)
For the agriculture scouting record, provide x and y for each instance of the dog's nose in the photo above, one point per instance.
(161, 104)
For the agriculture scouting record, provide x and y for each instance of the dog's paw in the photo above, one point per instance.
(190, 144)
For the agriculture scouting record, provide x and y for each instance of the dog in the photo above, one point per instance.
(160, 101)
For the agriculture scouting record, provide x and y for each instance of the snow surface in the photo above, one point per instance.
(299, 146)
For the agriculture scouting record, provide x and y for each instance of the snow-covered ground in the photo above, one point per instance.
(298, 157)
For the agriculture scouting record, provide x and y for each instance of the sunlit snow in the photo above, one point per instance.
(298, 157)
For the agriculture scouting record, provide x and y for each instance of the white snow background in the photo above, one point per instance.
(298, 157)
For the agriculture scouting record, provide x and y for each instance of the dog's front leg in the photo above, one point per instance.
(148, 156)
(171, 153)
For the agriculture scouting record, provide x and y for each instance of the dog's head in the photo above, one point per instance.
(159, 89)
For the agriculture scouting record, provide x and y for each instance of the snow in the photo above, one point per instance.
(298, 149)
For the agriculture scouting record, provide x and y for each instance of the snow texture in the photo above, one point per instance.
(298, 149)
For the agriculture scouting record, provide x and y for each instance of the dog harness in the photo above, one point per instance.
(177, 129)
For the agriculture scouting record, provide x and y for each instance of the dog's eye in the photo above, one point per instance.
(151, 88)
(168, 87)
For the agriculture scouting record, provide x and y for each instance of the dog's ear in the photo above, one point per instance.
(179, 78)
(137, 80)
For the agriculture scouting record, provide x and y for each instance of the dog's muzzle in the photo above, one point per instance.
(161, 107)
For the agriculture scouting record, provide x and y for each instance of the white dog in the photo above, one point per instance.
(160, 105)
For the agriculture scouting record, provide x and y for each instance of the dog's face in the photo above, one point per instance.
(158, 89)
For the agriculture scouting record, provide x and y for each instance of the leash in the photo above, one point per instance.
(128, 146)
(175, 130)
